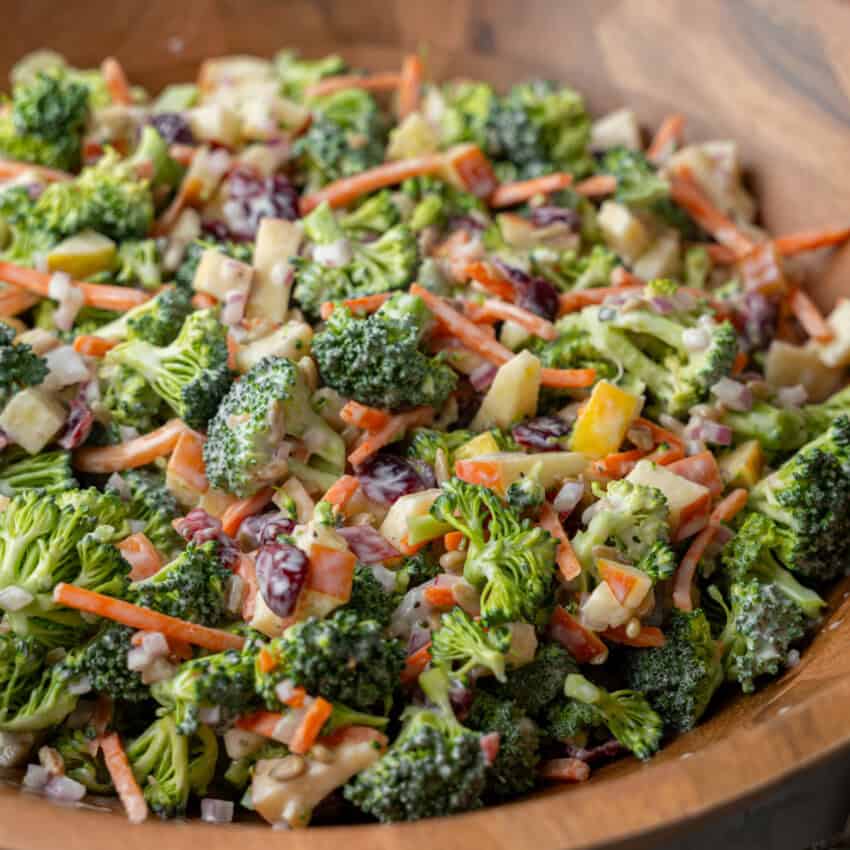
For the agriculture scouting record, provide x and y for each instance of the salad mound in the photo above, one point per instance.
(408, 444)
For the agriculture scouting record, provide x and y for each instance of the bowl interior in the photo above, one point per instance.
(766, 74)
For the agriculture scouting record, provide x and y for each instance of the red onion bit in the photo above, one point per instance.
(367, 544)
(733, 394)
(568, 497)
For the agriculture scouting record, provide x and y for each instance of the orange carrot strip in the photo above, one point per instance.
(491, 280)
(565, 556)
(93, 346)
(596, 186)
(725, 511)
(331, 571)
(660, 435)
(296, 698)
(266, 661)
(582, 643)
(468, 164)
(260, 722)
(394, 429)
(377, 82)
(807, 314)
(342, 192)
(123, 779)
(564, 770)
(143, 618)
(232, 518)
(187, 461)
(719, 254)
(232, 350)
(493, 310)
(567, 378)
(307, 733)
(667, 137)
(453, 540)
(14, 301)
(341, 490)
(648, 636)
(618, 464)
(180, 649)
(359, 306)
(367, 418)
(130, 455)
(117, 298)
(810, 240)
(572, 302)
(520, 191)
(410, 85)
(740, 362)
(440, 597)
(141, 555)
(204, 301)
(688, 194)
(416, 663)
(12, 168)
(116, 81)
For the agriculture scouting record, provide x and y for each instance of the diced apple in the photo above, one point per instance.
(217, 275)
(499, 471)
(266, 160)
(601, 610)
(520, 233)
(291, 340)
(689, 502)
(512, 395)
(788, 365)
(394, 526)
(32, 418)
(836, 352)
(216, 502)
(604, 421)
(265, 620)
(742, 467)
(618, 129)
(82, 255)
(215, 123)
(483, 444)
(628, 584)
(523, 646)
(413, 137)
(662, 259)
(277, 243)
(233, 71)
(623, 232)
(39, 340)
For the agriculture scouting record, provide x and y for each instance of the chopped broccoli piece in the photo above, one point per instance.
(48, 702)
(49, 472)
(157, 321)
(139, 262)
(438, 203)
(20, 366)
(424, 443)
(419, 568)
(373, 216)
(103, 662)
(21, 666)
(369, 600)
(297, 75)
(778, 429)
(75, 747)
(460, 639)
(570, 721)
(152, 152)
(129, 399)
(467, 106)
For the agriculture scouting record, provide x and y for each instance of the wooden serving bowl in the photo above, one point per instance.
(773, 74)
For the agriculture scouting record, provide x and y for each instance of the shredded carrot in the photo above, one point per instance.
(661, 436)
(719, 254)
(331, 571)
(416, 664)
(439, 597)
(564, 770)
(93, 346)
(141, 555)
(266, 662)
(453, 540)
(807, 314)
(367, 418)
(10, 168)
(597, 186)
(180, 649)
(490, 279)
(102, 717)
(740, 363)
(567, 378)
(502, 311)
(123, 779)
(297, 698)
(725, 511)
(341, 490)
(810, 240)
(187, 461)
(410, 85)
(342, 192)
(359, 306)
(237, 512)
(648, 636)
(14, 301)
(395, 428)
(565, 556)
(117, 298)
(520, 191)
(667, 138)
(377, 82)
(138, 617)
(130, 455)
(311, 725)
(582, 643)
(116, 81)
(572, 302)
(263, 723)
(618, 464)
(688, 194)
(204, 301)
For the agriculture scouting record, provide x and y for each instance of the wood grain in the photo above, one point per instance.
(773, 74)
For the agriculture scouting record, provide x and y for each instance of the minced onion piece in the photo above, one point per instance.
(334, 254)
(210, 714)
(663, 306)
(792, 396)
(570, 494)
(127, 433)
(733, 394)
(482, 376)
(386, 578)
(70, 300)
(696, 339)
(13, 598)
(155, 644)
(694, 447)
(117, 483)
(284, 690)
(157, 671)
(714, 432)
(80, 686)
(64, 367)
(216, 811)
(136, 525)
(235, 592)
(65, 789)
(234, 307)
(290, 722)
(36, 777)
(138, 659)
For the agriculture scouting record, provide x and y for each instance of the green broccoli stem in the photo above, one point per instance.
(769, 570)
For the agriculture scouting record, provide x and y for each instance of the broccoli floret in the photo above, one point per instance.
(192, 587)
(152, 153)
(139, 263)
(102, 566)
(383, 265)
(107, 508)
(808, 499)
(185, 274)
(438, 202)
(634, 519)
(48, 702)
(574, 348)
(191, 374)
(461, 640)
(169, 766)
(157, 321)
(466, 111)
(225, 679)
(424, 443)
(378, 361)
(374, 216)
(514, 568)
(569, 270)
(49, 472)
(269, 401)
(515, 769)
(369, 600)
(103, 662)
(819, 417)
(296, 75)
(346, 136)
(46, 122)
(419, 568)
(778, 429)
(343, 659)
(128, 398)
(526, 494)
(75, 747)
(20, 366)
(570, 721)
(434, 768)
(679, 678)
(627, 714)
(21, 665)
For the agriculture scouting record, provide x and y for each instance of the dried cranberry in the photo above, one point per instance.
(261, 529)
(533, 293)
(386, 478)
(425, 471)
(281, 573)
(251, 197)
(608, 750)
(544, 433)
(199, 527)
(544, 216)
(490, 746)
(173, 128)
(216, 229)
(368, 545)
(78, 426)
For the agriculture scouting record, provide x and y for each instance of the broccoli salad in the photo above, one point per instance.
(374, 448)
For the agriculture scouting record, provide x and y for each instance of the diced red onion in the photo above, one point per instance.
(733, 394)
(671, 423)
(664, 306)
(59, 285)
(119, 485)
(210, 714)
(792, 396)
(80, 686)
(13, 598)
(714, 432)
(482, 376)
(65, 789)
(78, 425)
(36, 777)
(334, 254)
(234, 307)
(696, 339)
(590, 512)
(419, 636)
(368, 544)
(285, 690)
(216, 811)
(386, 578)
(65, 367)
(570, 494)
